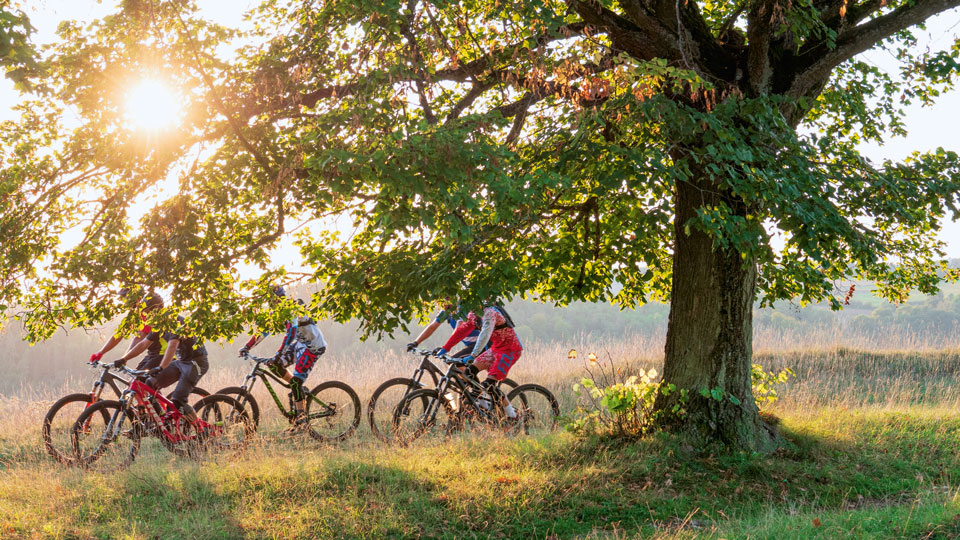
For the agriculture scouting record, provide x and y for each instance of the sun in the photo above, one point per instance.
(151, 105)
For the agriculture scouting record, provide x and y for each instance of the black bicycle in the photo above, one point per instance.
(332, 408)
(458, 403)
(389, 394)
(60, 417)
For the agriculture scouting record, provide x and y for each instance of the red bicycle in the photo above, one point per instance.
(106, 435)
(55, 429)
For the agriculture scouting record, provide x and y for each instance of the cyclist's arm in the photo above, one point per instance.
(290, 337)
(135, 351)
(463, 330)
(110, 344)
(255, 339)
(486, 330)
(137, 339)
(170, 353)
(427, 332)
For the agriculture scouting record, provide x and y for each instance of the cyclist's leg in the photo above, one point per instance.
(150, 361)
(497, 372)
(462, 352)
(301, 370)
(189, 375)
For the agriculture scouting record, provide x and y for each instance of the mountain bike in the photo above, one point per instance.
(332, 408)
(55, 430)
(386, 397)
(106, 435)
(458, 403)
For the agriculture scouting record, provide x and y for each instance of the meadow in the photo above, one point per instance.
(873, 452)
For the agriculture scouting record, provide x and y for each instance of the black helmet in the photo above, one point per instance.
(152, 300)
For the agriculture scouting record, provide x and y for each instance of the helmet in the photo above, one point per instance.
(279, 291)
(152, 300)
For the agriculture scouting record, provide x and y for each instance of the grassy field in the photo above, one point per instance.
(874, 452)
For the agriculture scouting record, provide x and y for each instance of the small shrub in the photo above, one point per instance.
(618, 403)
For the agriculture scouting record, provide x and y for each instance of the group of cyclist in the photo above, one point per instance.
(490, 344)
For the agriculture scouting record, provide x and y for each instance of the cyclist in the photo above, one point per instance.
(302, 344)
(495, 327)
(151, 302)
(184, 361)
(447, 315)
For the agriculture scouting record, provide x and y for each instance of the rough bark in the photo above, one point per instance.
(710, 333)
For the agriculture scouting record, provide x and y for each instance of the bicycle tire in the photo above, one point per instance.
(409, 423)
(338, 433)
(112, 412)
(63, 453)
(224, 412)
(246, 401)
(538, 408)
(380, 431)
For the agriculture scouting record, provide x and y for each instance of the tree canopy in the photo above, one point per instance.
(570, 150)
(518, 147)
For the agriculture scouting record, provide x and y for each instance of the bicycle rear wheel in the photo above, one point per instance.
(537, 409)
(246, 402)
(106, 437)
(333, 412)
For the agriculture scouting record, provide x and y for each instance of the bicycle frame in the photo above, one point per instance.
(139, 395)
(466, 387)
(106, 378)
(258, 371)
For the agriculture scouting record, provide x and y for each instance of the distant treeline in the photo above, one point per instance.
(934, 319)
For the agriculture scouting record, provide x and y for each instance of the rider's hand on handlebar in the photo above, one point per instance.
(244, 351)
(95, 357)
(412, 345)
(154, 370)
(439, 351)
(119, 363)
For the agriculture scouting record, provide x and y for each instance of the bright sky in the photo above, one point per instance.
(928, 127)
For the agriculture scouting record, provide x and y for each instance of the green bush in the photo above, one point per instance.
(613, 403)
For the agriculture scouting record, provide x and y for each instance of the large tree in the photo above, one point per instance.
(703, 153)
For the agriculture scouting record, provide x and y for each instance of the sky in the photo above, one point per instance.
(928, 127)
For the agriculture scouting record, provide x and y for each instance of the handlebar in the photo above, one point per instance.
(454, 361)
(258, 359)
(124, 369)
(444, 357)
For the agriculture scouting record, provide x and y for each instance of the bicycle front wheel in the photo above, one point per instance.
(384, 401)
(333, 412)
(245, 400)
(537, 409)
(58, 423)
(106, 437)
(423, 414)
(228, 427)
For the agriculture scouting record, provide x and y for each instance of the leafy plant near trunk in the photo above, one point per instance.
(620, 403)
(604, 151)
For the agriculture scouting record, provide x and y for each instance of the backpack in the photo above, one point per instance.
(503, 311)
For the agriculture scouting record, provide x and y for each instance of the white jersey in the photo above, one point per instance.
(307, 332)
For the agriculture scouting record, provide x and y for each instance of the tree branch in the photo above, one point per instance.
(856, 39)
(759, 32)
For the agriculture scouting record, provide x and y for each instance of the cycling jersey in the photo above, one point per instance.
(304, 330)
(450, 319)
(491, 327)
(188, 349)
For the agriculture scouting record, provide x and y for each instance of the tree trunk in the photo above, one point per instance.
(710, 334)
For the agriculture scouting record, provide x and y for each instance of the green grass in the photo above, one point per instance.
(860, 473)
